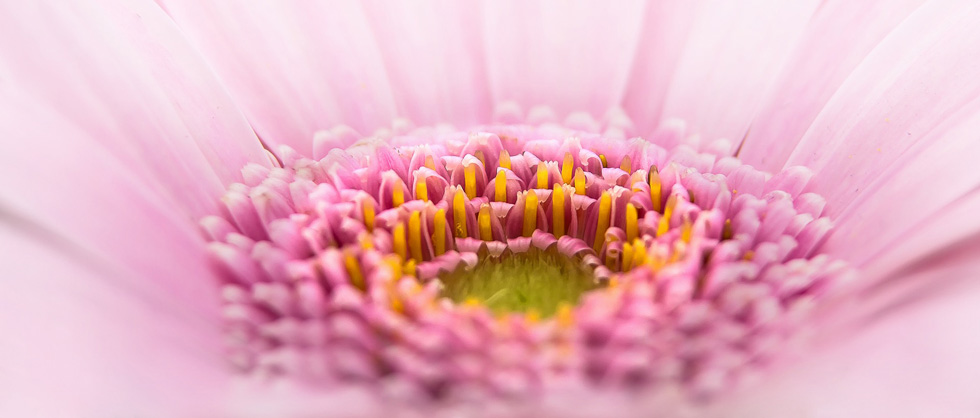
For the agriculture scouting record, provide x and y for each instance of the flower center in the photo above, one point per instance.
(534, 282)
(498, 260)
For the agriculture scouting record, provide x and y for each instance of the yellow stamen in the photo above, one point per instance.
(564, 315)
(459, 214)
(500, 186)
(398, 194)
(469, 180)
(558, 211)
(504, 159)
(368, 208)
(430, 163)
(626, 165)
(567, 168)
(726, 231)
(631, 220)
(530, 213)
(366, 242)
(421, 190)
(749, 255)
(654, 180)
(415, 235)
(471, 302)
(602, 158)
(542, 175)
(639, 253)
(627, 257)
(610, 261)
(395, 264)
(409, 268)
(483, 219)
(398, 240)
(439, 232)
(686, 230)
(664, 224)
(533, 316)
(354, 270)
(580, 182)
(602, 223)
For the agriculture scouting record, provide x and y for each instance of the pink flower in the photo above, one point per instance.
(125, 124)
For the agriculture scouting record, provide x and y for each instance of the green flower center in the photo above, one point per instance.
(532, 282)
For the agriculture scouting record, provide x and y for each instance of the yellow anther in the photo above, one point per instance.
(430, 163)
(749, 255)
(500, 186)
(610, 261)
(627, 164)
(664, 224)
(367, 207)
(415, 235)
(459, 214)
(366, 242)
(479, 155)
(394, 263)
(602, 223)
(631, 221)
(564, 315)
(469, 180)
(686, 230)
(439, 232)
(409, 268)
(580, 182)
(558, 211)
(421, 190)
(483, 219)
(727, 232)
(627, 257)
(471, 302)
(656, 261)
(398, 194)
(613, 282)
(567, 168)
(504, 159)
(602, 158)
(530, 213)
(354, 270)
(398, 240)
(533, 316)
(542, 175)
(653, 178)
(639, 253)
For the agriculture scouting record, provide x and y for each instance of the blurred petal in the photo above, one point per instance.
(78, 341)
(891, 147)
(109, 165)
(729, 59)
(434, 55)
(836, 40)
(571, 56)
(295, 68)
(918, 358)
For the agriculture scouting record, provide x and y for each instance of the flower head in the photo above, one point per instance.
(671, 255)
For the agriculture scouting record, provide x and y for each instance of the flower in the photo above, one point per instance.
(115, 156)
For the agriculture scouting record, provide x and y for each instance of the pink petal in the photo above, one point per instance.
(110, 305)
(897, 131)
(295, 68)
(917, 359)
(571, 56)
(835, 42)
(728, 60)
(434, 57)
